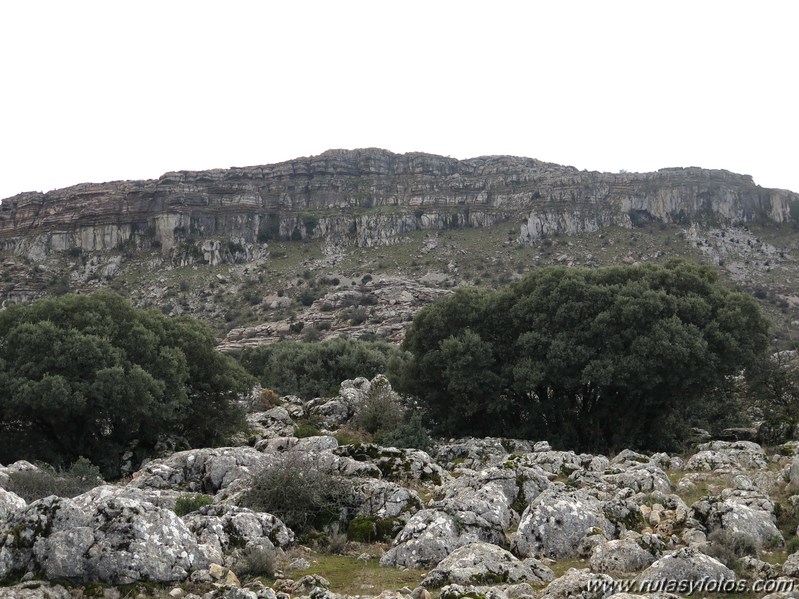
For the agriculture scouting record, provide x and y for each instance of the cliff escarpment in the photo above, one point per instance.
(369, 198)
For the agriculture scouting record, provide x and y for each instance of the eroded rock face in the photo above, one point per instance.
(483, 563)
(115, 540)
(243, 206)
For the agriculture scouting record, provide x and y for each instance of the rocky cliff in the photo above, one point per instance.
(368, 198)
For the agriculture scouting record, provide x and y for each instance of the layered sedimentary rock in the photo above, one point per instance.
(369, 197)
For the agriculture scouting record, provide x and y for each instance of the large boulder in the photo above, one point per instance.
(35, 589)
(274, 423)
(484, 512)
(307, 444)
(519, 484)
(580, 584)
(742, 512)
(483, 564)
(557, 463)
(9, 502)
(352, 395)
(428, 537)
(685, 565)
(641, 478)
(478, 453)
(201, 470)
(621, 556)
(464, 516)
(396, 464)
(224, 529)
(115, 540)
(726, 456)
(791, 565)
(384, 499)
(555, 523)
(164, 498)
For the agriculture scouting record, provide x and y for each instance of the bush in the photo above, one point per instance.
(362, 529)
(297, 491)
(381, 410)
(31, 485)
(256, 561)
(729, 547)
(317, 369)
(410, 433)
(186, 504)
(306, 429)
(792, 546)
(266, 400)
(89, 375)
(335, 541)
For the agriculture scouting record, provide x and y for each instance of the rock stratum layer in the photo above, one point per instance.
(369, 197)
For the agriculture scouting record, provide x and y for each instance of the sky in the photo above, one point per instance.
(96, 91)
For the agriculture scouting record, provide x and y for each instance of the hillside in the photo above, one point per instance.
(353, 242)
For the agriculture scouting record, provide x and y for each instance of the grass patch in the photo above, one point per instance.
(349, 576)
(562, 566)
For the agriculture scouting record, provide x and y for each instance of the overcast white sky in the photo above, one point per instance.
(100, 91)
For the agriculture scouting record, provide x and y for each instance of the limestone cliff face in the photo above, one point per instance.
(368, 197)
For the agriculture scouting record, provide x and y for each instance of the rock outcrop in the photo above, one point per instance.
(368, 197)
(114, 540)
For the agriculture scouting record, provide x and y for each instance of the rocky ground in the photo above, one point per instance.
(477, 518)
(310, 289)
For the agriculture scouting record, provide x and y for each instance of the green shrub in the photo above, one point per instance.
(306, 429)
(381, 409)
(792, 546)
(409, 433)
(191, 503)
(387, 528)
(362, 529)
(316, 369)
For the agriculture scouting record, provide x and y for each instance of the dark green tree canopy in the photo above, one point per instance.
(591, 359)
(89, 375)
(315, 369)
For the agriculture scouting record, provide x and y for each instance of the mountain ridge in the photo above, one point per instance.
(368, 197)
